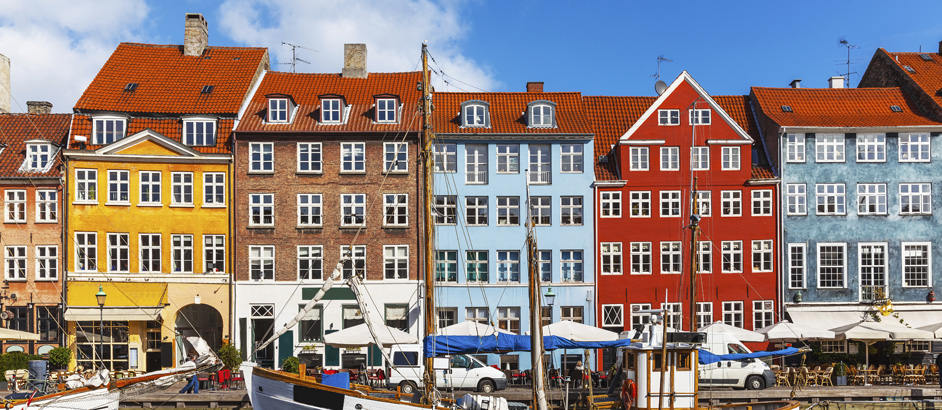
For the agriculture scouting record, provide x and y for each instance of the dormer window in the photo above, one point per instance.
(38, 155)
(278, 110)
(199, 132)
(331, 110)
(541, 114)
(475, 114)
(386, 109)
(108, 130)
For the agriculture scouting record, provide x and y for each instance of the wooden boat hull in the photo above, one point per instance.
(760, 405)
(100, 399)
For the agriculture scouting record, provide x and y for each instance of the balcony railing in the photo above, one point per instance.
(540, 177)
(476, 177)
(870, 294)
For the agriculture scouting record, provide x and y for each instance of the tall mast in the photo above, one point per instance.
(536, 314)
(431, 320)
(694, 252)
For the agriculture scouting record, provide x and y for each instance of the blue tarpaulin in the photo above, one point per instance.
(707, 357)
(500, 342)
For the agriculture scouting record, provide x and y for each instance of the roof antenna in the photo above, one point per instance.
(294, 57)
(843, 42)
(660, 86)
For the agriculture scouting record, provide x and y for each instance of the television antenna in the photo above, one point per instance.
(657, 75)
(844, 43)
(294, 56)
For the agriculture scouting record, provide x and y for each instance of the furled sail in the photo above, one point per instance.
(329, 283)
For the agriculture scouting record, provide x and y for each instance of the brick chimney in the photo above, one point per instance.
(796, 83)
(195, 35)
(39, 107)
(535, 87)
(940, 47)
(836, 82)
(354, 60)
(5, 96)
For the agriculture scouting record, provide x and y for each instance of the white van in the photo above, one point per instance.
(464, 372)
(751, 374)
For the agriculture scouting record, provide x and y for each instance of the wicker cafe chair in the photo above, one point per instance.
(781, 378)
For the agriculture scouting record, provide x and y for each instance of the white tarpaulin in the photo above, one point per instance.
(787, 331)
(359, 336)
(739, 333)
(578, 332)
(470, 328)
(10, 334)
(824, 319)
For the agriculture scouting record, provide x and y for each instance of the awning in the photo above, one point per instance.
(823, 319)
(122, 313)
(831, 317)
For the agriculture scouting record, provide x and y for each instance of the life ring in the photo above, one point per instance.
(629, 392)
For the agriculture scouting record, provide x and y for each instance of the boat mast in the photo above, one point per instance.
(431, 320)
(694, 261)
(536, 314)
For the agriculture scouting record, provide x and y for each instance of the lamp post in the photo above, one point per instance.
(550, 298)
(101, 323)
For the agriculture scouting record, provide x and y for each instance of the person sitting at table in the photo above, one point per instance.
(577, 374)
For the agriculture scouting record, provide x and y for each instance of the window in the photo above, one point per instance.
(47, 320)
(640, 204)
(541, 214)
(731, 202)
(704, 314)
(476, 314)
(762, 202)
(475, 164)
(611, 258)
(796, 266)
(277, 110)
(182, 187)
(86, 251)
(700, 158)
(732, 314)
(261, 157)
(396, 157)
(353, 209)
(833, 346)
(475, 115)
(397, 317)
(396, 210)
(508, 158)
(639, 159)
(150, 188)
(541, 169)
(871, 148)
(508, 318)
(386, 109)
(829, 148)
(571, 210)
(508, 266)
(446, 266)
(541, 116)
(508, 211)
(705, 257)
(47, 262)
(444, 209)
(118, 187)
(447, 317)
(261, 210)
(570, 265)
(914, 148)
(311, 326)
(797, 199)
(668, 117)
(310, 262)
(730, 158)
(872, 270)
(917, 264)
(476, 210)
(871, 199)
(262, 262)
(15, 205)
(396, 262)
(351, 316)
(310, 156)
(832, 262)
(641, 258)
(119, 252)
(763, 314)
(38, 156)
(16, 262)
(705, 202)
(199, 132)
(762, 256)
(670, 158)
(795, 148)
(476, 266)
(108, 130)
(331, 110)
(670, 257)
(673, 314)
(47, 205)
(612, 316)
(352, 157)
(214, 253)
(445, 157)
(310, 208)
(638, 318)
(571, 157)
(354, 260)
(214, 189)
(181, 251)
(915, 199)
(732, 256)
(670, 204)
(571, 313)
(544, 265)
(149, 244)
(700, 116)
(610, 204)
(829, 199)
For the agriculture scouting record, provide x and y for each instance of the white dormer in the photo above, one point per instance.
(541, 114)
(387, 108)
(334, 109)
(108, 128)
(39, 155)
(475, 113)
(199, 131)
(281, 109)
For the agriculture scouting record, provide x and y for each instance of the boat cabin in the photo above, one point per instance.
(644, 366)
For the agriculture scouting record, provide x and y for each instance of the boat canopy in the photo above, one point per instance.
(707, 357)
(499, 342)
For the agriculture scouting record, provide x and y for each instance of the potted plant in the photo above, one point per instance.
(840, 374)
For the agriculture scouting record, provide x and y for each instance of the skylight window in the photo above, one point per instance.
(130, 87)
(925, 57)
(786, 108)
(207, 89)
(908, 68)
(896, 108)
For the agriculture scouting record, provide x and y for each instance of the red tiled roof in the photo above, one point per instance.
(507, 112)
(359, 93)
(171, 83)
(168, 127)
(15, 129)
(611, 117)
(739, 109)
(926, 74)
(838, 107)
(762, 172)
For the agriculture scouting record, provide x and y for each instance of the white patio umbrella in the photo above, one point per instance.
(359, 336)
(935, 328)
(788, 331)
(578, 332)
(10, 334)
(470, 328)
(739, 333)
(872, 332)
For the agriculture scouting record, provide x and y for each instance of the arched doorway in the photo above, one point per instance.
(200, 320)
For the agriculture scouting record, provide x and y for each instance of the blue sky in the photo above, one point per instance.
(598, 48)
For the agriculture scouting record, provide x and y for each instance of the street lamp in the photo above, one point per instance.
(101, 323)
(550, 297)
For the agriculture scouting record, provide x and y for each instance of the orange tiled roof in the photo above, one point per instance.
(838, 107)
(926, 74)
(359, 93)
(171, 83)
(762, 172)
(168, 127)
(16, 129)
(507, 111)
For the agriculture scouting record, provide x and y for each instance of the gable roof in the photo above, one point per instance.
(927, 74)
(16, 129)
(507, 111)
(171, 128)
(169, 82)
(305, 90)
(839, 107)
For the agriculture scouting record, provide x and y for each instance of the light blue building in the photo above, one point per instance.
(488, 147)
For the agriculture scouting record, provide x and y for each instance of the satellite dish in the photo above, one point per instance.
(660, 87)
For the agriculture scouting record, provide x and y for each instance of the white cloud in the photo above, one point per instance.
(392, 30)
(56, 48)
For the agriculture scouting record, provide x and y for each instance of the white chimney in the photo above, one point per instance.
(836, 82)
(5, 93)
(195, 35)
(796, 83)
(354, 60)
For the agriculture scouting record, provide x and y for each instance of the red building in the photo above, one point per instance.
(651, 150)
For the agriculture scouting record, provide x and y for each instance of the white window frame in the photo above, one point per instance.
(154, 252)
(671, 258)
(310, 158)
(355, 263)
(795, 148)
(639, 318)
(351, 206)
(611, 258)
(730, 159)
(119, 186)
(182, 258)
(610, 204)
(310, 207)
(700, 158)
(396, 157)
(396, 261)
(38, 155)
(915, 147)
(541, 116)
(278, 110)
(541, 164)
(261, 262)
(396, 210)
(731, 257)
(904, 256)
(86, 252)
(261, 210)
(670, 158)
(214, 252)
(119, 252)
(181, 184)
(331, 108)
(352, 157)
(105, 137)
(797, 266)
(673, 314)
(571, 213)
(871, 147)
(508, 318)
(386, 110)
(47, 206)
(474, 115)
(825, 193)
(86, 186)
(508, 266)
(668, 117)
(876, 274)
(639, 159)
(150, 197)
(47, 262)
(763, 259)
(571, 159)
(731, 203)
(911, 194)
(476, 210)
(670, 204)
(14, 205)
(871, 199)
(15, 263)
(829, 147)
(705, 200)
(445, 157)
(571, 265)
(508, 158)
(214, 189)
(613, 315)
(705, 257)
(763, 313)
(704, 314)
(641, 258)
(734, 313)
(541, 210)
(446, 266)
(796, 198)
(640, 204)
(313, 257)
(475, 162)
(762, 201)
(200, 132)
(700, 116)
(445, 209)
(261, 158)
(508, 211)
(843, 267)
(477, 268)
